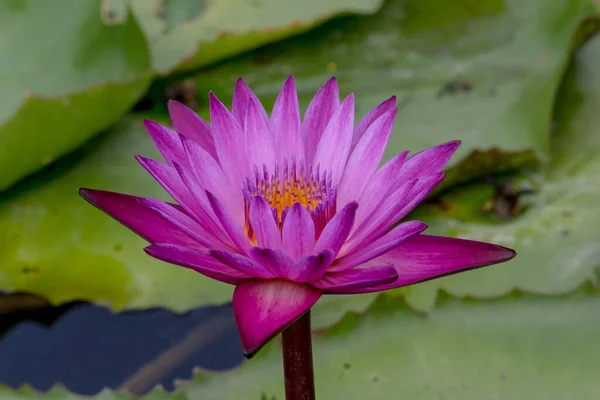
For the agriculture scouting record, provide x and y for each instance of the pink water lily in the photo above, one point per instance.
(288, 209)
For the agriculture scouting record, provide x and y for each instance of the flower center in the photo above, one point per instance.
(294, 184)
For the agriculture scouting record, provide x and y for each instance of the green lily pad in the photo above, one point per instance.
(184, 34)
(557, 235)
(485, 72)
(65, 76)
(519, 347)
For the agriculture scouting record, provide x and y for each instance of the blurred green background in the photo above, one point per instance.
(517, 81)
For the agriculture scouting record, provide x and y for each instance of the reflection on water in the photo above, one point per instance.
(87, 347)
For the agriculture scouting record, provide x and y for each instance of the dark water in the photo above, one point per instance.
(88, 348)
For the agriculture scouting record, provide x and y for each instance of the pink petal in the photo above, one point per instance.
(371, 117)
(229, 142)
(170, 180)
(310, 268)
(166, 141)
(356, 279)
(377, 189)
(427, 162)
(334, 147)
(204, 213)
(190, 125)
(181, 220)
(365, 158)
(380, 246)
(285, 124)
(242, 263)
(241, 97)
(259, 141)
(229, 224)
(196, 260)
(263, 224)
(127, 210)
(337, 230)
(425, 257)
(379, 216)
(211, 177)
(277, 261)
(263, 308)
(318, 114)
(393, 209)
(298, 232)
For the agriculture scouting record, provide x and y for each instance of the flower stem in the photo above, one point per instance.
(297, 360)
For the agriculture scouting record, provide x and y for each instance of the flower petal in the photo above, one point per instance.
(259, 141)
(263, 223)
(298, 232)
(229, 224)
(371, 117)
(190, 125)
(310, 268)
(285, 124)
(334, 147)
(380, 246)
(393, 209)
(425, 257)
(169, 179)
(263, 308)
(277, 261)
(242, 263)
(356, 279)
(166, 141)
(365, 158)
(212, 178)
(337, 230)
(127, 210)
(197, 260)
(377, 189)
(229, 142)
(318, 114)
(241, 97)
(182, 221)
(427, 162)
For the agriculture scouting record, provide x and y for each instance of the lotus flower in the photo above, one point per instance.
(288, 209)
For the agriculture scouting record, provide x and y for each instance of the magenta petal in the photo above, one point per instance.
(380, 246)
(285, 124)
(259, 141)
(181, 220)
(127, 210)
(365, 158)
(229, 142)
(310, 268)
(229, 224)
(427, 162)
(298, 232)
(318, 114)
(337, 230)
(263, 308)
(371, 117)
(425, 257)
(212, 178)
(242, 263)
(166, 141)
(334, 148)
(169, 179)
(263, 223)
(356, 279)
(377, 189)
(241, 97)
(197, 260)
(277, 261)
(190, 125)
